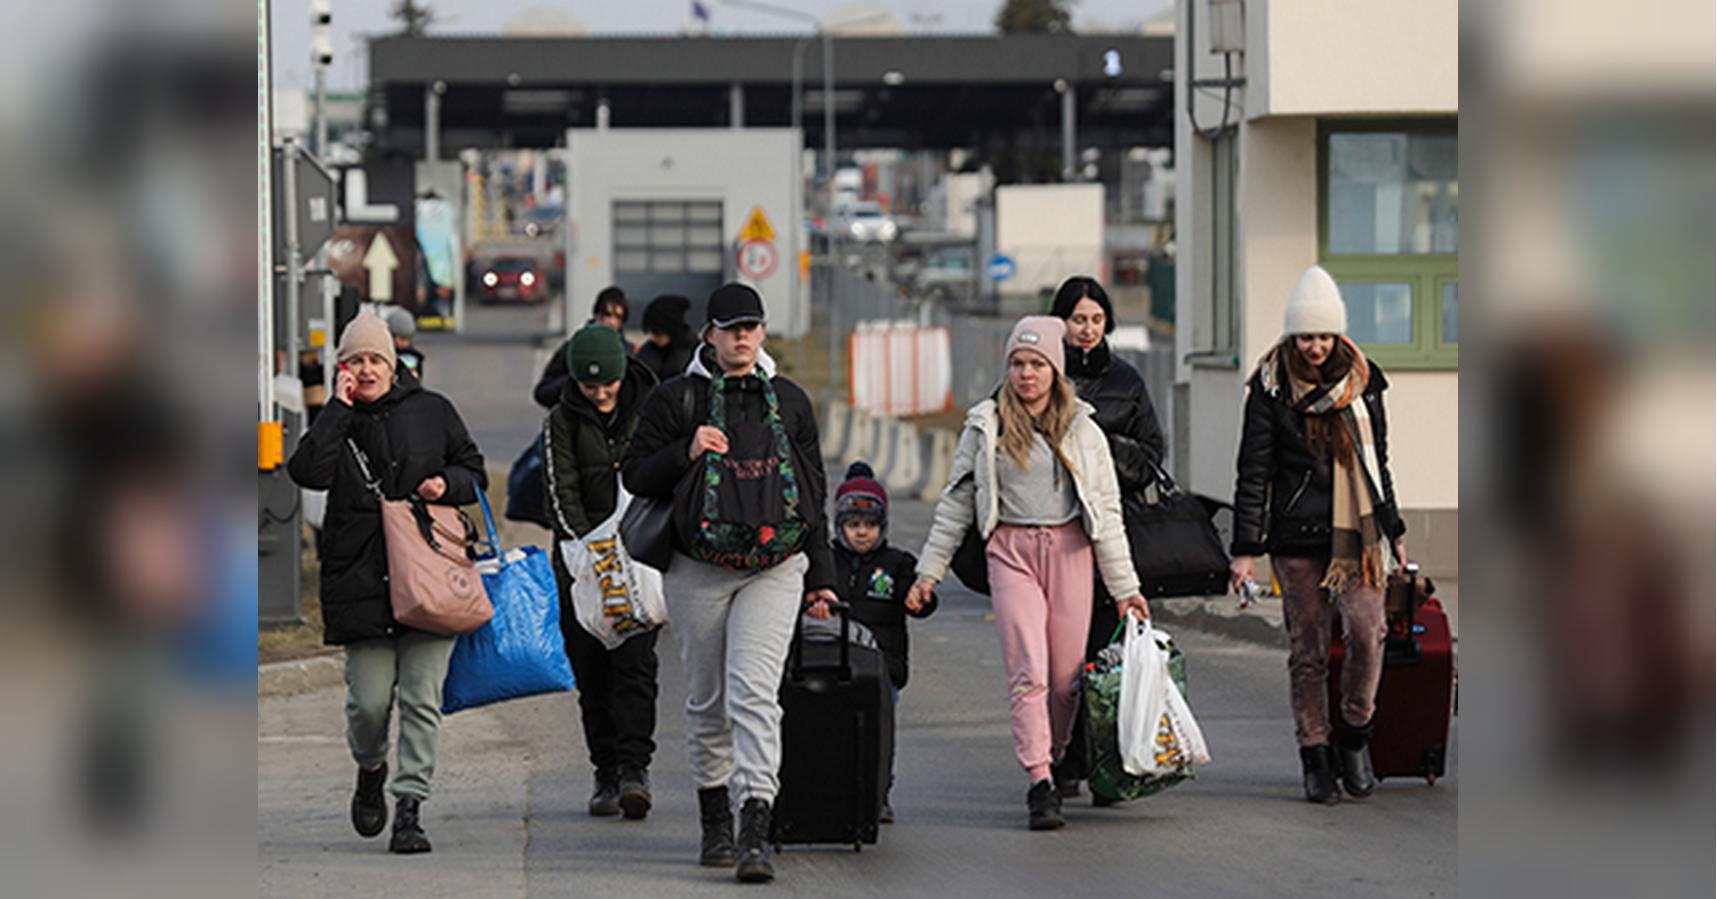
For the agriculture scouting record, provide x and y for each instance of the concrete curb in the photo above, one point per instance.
(296, 676)
(1222, 616)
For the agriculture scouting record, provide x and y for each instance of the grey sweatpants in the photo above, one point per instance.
(734, 629)
(415, 663)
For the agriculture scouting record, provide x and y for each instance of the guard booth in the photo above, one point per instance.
(682, 210)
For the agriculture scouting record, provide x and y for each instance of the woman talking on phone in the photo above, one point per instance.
(383, 428)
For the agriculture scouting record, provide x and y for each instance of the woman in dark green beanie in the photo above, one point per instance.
(587, 434)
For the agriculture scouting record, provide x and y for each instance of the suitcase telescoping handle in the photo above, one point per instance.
(798, 668)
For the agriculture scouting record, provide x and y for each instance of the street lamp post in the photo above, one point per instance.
(828, 142)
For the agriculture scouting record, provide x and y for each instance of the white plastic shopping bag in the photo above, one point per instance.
(613, 595)
(1158, 734)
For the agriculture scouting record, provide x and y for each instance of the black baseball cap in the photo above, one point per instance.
(733, 304)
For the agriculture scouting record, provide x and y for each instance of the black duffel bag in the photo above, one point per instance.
(1176, 550)
(527, 499)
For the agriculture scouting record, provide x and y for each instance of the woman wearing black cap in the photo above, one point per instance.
(1128, 418)
(734, 445)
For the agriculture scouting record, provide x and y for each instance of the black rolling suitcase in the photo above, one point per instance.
(837, 730)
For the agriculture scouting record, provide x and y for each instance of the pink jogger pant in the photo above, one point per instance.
(1040, 588)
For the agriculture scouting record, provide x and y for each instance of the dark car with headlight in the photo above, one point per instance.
(512, 278)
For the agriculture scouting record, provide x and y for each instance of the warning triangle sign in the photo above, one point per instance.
(757, 226)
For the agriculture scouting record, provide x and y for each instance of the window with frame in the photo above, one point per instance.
(667, 237)
(1216, 329)
(1388, 232)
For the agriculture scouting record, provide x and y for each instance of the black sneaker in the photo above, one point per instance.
(408, 835)
(754, 865)
(605, 798)
(886, 816)
(370, 803)
(1044, 806)
(633, 793)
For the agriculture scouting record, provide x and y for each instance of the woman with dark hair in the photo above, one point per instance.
(1314, 491)
(1128, 418)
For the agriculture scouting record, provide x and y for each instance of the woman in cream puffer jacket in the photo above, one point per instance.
(1033, 472)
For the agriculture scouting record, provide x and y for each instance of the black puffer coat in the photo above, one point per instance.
(1124, 412)
(875, 586)
(581, 462)
(656, 461)
(1283, 493)
(408, 435)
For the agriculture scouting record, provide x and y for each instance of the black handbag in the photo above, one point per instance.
(647, 531)
(1176, 550)
(969, 563)
(647, 527)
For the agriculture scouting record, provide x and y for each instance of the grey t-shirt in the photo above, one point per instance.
(1042, 494)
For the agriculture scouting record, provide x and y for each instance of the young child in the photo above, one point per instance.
(872, 577)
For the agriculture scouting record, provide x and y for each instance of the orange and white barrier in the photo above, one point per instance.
(899, 369)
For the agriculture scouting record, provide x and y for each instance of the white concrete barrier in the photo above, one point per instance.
(837, 418)
(905, 464)
(942, 443)
(861, 437)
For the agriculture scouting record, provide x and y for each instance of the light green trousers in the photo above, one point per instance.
(417, 664)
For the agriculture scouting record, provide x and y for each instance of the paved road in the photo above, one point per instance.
(507, 817)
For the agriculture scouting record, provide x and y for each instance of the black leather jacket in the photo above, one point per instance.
(1124, 412)
(1283, 493)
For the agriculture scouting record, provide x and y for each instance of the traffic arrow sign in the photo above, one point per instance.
(381, 262)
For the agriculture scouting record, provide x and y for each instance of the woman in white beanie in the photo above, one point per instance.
(1033, 471)
(383, 431)
(1314, 492)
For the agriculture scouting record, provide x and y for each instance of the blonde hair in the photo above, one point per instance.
(1018, 425)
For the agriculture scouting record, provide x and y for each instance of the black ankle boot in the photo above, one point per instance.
(408, 836)
(1043, 805)
(369, 803)
(1353, 750)
(605, 797)
(1319, 765)
(754, 866)
(1066, 776)
(716, 816)
(634, 793)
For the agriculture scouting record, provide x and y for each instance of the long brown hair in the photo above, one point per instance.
(1326, 435)
(1053, 423)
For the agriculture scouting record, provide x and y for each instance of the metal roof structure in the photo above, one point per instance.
(992, 93)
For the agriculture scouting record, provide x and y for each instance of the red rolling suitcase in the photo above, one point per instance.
(1410, 733)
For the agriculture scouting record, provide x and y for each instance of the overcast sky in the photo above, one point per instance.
(353, 19)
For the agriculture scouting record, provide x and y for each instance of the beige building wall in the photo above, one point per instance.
(1358, 57)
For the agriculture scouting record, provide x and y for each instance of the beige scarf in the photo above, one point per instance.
(1359, 550)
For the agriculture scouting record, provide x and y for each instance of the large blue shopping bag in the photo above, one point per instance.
(520, 651)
